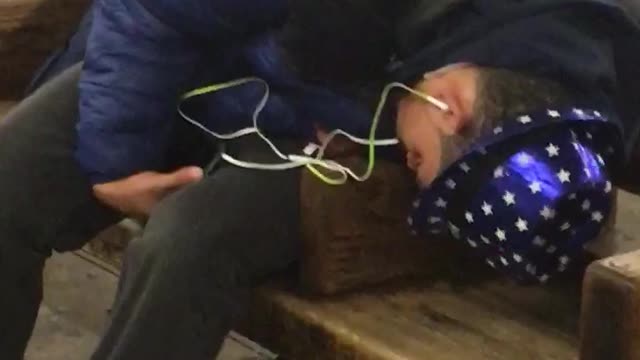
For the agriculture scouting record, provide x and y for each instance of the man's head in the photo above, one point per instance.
(478, 99)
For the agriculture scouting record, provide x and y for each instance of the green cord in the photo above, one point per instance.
(313, 168)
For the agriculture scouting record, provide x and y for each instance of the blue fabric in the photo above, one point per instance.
(525, 203)
(140, 56)
(591, 44)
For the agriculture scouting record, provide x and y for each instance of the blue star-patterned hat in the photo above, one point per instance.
(528, 197)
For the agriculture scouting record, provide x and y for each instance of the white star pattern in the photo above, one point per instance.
(597, 113)
(553, 150)
(539, 241)
(497, 130)
(487, 209)
(531, 269)
(572, 196)
(564, 260)
(509, 198)
(441, 203)
(517, 258)
(484, 239)
(548, 213)
(535, 187)
(544, 278)
(564, 176)
(597, 216)
(600, 159)
(504, 261)
(578, 112)
(450, 184)
(607, 187)
(498, 172)
(434, 220)
(610, 150)
(455, 231)
(573, 135)
(587, 172)
(576, 145)
(465, 167)
(491, 263)
(416, 204)
(410, 221)
(522, 225)
(566, 226)
(586, 205)
(414, 233)
(551, 249)
(482, 151)
(501, 235)
(553, 113)
(588, 135)
(525, 119)
(469, 217)
(472, 243)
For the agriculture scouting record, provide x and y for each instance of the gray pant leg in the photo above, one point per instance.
(46, 202)
(189, 276)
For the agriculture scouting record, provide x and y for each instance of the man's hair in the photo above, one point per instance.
(503, 94)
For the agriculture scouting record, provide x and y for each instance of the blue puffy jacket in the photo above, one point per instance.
(141, 55)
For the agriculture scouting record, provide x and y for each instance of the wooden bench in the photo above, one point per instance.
(461, 311)
(452, 310)
(29, 31)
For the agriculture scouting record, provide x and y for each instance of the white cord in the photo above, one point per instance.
(295, 161)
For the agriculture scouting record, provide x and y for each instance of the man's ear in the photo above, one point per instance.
(456, 118)
(456, 86)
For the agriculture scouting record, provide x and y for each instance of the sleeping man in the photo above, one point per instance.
(540, 96)
(513, 130)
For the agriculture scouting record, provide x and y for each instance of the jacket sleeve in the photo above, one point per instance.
(141, 54)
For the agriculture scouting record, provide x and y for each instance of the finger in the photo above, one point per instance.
(179, 178)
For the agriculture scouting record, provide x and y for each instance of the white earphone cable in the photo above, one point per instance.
(292, 160)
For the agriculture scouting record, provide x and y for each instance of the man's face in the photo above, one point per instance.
(424, 129)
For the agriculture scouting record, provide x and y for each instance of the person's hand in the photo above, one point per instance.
(338, 147)
(136, 195)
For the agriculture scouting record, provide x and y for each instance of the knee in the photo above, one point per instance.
(176, 238)
(172, 254)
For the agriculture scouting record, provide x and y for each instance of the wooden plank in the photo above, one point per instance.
(622, 237)
(610, 325)
(29, 31)
(490, 320)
